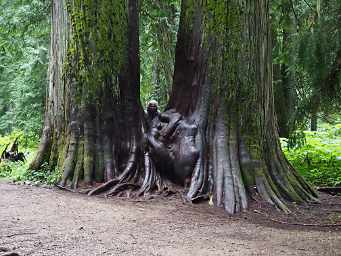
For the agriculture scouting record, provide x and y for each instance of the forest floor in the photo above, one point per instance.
(41, 221)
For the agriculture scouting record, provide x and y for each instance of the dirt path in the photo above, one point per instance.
(38, 221)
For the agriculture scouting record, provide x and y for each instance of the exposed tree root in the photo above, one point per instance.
(152, 180)
(10, 254)
(207, 140)
(199, 198)
(103, 187)
(330, 190)
(64, 188)
(121, 187)
(44, 149)
(211, 162)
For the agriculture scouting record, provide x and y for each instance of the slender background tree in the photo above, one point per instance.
(24, 36)
(306, 56)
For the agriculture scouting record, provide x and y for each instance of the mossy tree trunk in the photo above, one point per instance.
(93, 120)
(218, 135)
(222, 130)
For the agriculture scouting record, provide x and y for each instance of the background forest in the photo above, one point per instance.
(306, 64)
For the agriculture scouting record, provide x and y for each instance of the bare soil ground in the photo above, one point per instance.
(40, 221)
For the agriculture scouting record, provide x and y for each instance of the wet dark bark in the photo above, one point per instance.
(225, 150)
(313, 122)
(92, 134)
(217, 138)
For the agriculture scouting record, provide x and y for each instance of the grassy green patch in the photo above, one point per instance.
(319, 158)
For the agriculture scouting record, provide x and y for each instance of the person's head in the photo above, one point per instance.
(152, 107)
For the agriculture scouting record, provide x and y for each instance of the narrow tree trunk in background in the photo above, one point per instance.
(285, 95)
(54, 106)
(314, 109)
(313, 122)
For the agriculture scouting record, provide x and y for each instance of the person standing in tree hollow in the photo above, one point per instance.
(152, 114)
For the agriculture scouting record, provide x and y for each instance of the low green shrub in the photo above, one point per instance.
(319, 158)
(27, 141)
(18, 171)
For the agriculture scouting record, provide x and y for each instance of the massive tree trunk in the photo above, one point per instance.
(219, 129)
(93, 120)
(217, 137)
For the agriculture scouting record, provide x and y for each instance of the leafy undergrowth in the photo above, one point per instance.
(18, 171)
(319, 158)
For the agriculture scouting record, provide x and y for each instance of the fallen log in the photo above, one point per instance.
(13, 154)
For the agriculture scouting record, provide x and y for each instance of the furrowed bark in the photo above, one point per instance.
(79, 170)
(53, 124)
(99, 154)
(70, 161)
(97, 74)
(89, 145)
(43, 153)
(217, 138)
(205, 55)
